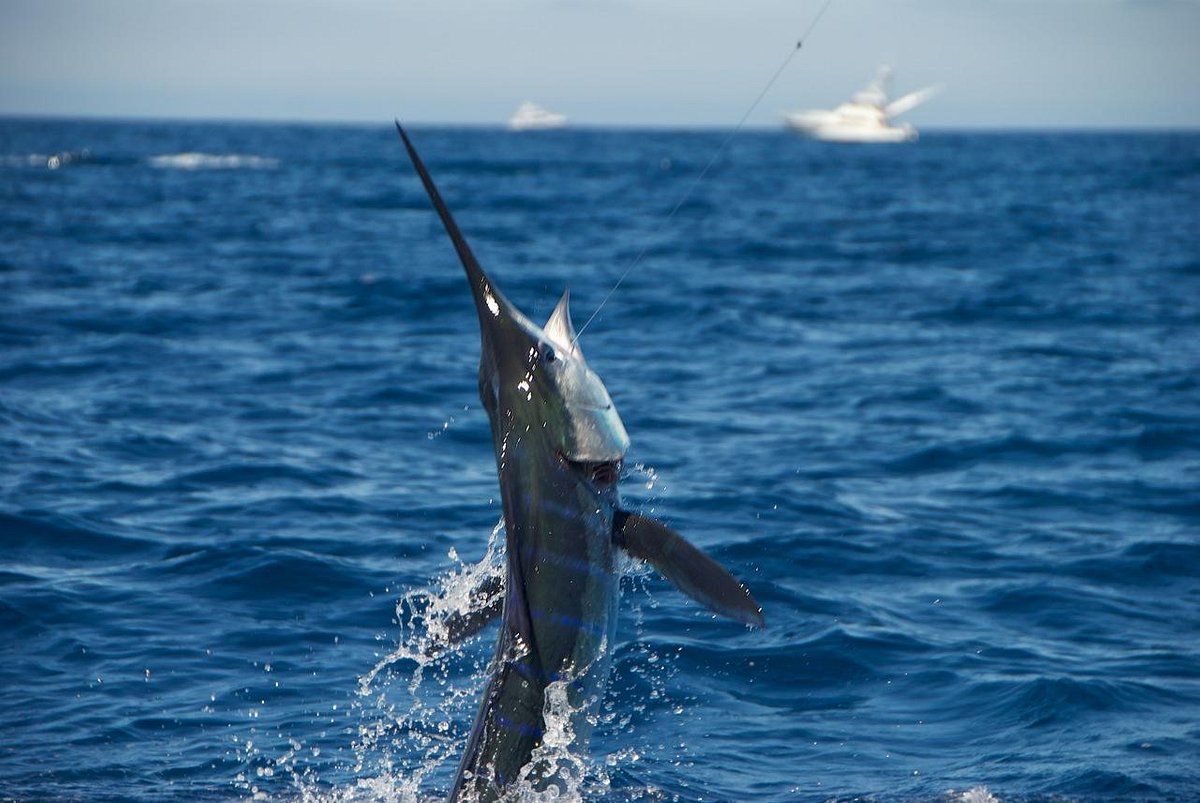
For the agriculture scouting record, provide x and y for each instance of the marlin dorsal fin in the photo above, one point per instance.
(688, 569)
(560, 329)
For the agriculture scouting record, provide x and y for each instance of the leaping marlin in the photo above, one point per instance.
(559, 444)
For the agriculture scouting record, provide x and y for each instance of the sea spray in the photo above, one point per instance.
(414, 700)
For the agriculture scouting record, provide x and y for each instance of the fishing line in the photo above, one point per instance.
(712, 161)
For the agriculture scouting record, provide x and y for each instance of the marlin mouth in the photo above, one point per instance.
(601, 472)
(606, 473)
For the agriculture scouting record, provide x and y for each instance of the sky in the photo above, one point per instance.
(1003, 63)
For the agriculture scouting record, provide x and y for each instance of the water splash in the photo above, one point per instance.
(450, 421)
(418, 701)
(426, 616)
(414, 700)
(645, 474)
(416, 704)
(555, 771)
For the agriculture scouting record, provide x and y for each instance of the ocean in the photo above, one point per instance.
(938, 404)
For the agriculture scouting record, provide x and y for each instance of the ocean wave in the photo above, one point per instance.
(1048, 701)
(832, 660)
(1011, 447)
(1104, 783)
(243, 474)
(192, 160)
(926, 395)
(241, 573)
(1147, 563)
(58, 537)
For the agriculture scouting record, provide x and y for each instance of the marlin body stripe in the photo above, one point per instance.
(558, 444)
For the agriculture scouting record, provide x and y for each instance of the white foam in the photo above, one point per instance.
(978, 794)
(51, 161)
(213, 161)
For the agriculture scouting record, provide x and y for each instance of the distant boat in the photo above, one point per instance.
(867, 117)
(531, 117)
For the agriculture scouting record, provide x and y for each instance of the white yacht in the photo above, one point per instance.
(866, 117)
(531, 117)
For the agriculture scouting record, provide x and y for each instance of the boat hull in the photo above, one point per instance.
(558, 121)
(839, 133)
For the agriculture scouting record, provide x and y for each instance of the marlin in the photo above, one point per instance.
(559, 446)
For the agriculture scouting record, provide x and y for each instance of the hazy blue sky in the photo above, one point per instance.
(1004, 62)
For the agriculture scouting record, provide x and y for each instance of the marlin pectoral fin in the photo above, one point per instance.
(688, 569)
(486, 603)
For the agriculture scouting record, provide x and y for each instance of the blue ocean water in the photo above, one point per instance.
(938, 404)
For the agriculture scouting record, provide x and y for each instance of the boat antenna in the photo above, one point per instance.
(687, 193)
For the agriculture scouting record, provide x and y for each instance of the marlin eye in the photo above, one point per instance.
(548, 353)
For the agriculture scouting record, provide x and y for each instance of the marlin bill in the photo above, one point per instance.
(559, 445)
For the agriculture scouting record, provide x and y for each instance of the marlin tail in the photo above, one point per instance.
(559, 444)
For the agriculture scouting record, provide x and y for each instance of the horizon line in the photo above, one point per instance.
(501, 125)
